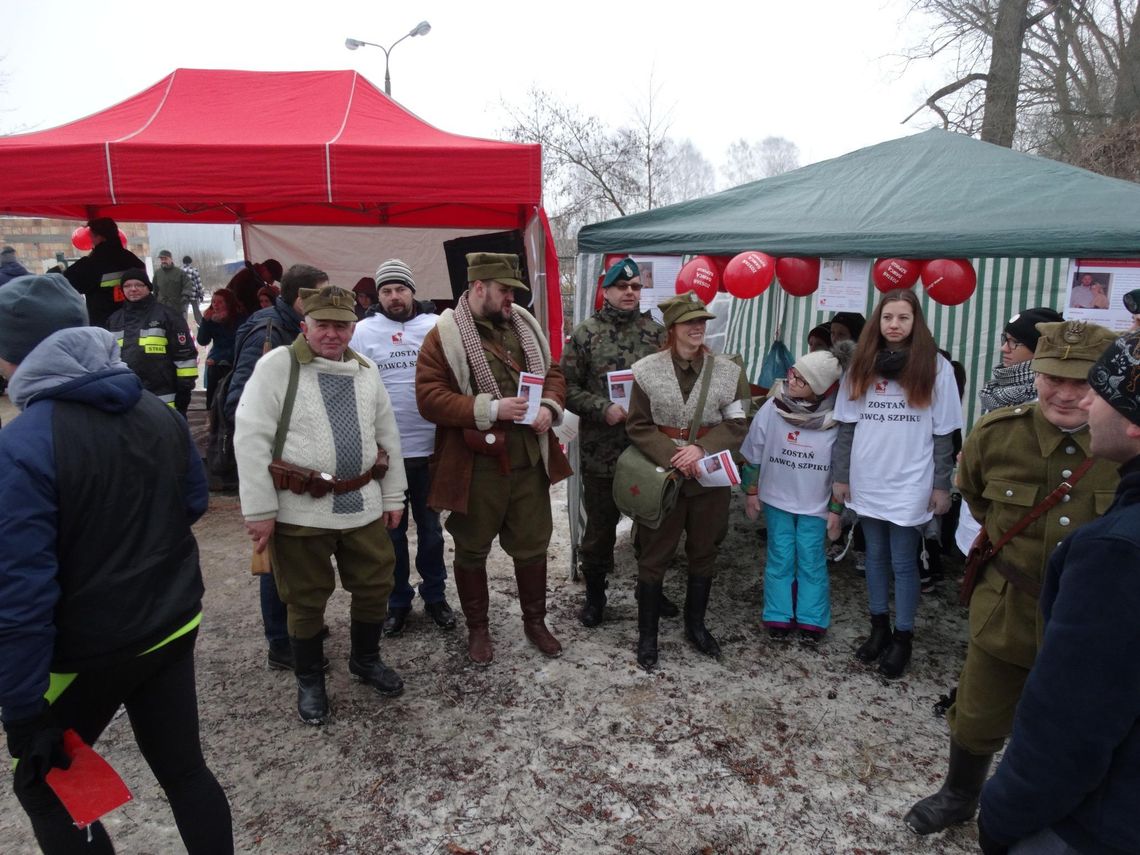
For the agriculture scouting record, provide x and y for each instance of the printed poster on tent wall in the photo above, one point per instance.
(658, 280)
(1095, 291)
(842, 284)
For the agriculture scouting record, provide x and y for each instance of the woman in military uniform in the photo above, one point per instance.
(661, 409)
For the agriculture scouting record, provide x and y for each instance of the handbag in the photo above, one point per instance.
(644, 491)
(982, 550)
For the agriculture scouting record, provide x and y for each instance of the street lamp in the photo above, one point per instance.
(420, 29)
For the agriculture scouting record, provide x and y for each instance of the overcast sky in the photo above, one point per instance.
(824, 74)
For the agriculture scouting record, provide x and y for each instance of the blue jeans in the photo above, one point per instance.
(272, 611)
(795, 574)
(429, 547)
(892, 549)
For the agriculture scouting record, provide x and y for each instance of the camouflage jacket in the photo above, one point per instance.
(609, 340)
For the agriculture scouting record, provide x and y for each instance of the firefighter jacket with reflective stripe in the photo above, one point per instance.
(156, 344)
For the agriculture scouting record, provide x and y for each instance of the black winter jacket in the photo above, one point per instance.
(156, 344)
(96, 277)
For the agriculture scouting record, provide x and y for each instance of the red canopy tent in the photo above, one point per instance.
(292, 148)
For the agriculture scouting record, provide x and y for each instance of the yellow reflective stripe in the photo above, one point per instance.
(111, 280)
(152, 340)
(186, 372)
(120, 340)
(178, 633)
(57, 683)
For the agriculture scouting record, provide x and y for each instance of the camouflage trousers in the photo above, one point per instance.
(602, 518)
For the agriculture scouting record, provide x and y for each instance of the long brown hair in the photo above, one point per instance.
(917, 377)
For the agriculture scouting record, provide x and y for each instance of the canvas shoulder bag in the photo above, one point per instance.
(644, 491)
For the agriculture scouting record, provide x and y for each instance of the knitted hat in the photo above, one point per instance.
(1023, 326)
(166, 254)
(1070, 349)
(139, 274)
(852, 320)
(32, 308)
(394, 270)
(1115, 376)
(623, 271)
(823, 368)
(683, 308)
(498, 266)
(8, 251)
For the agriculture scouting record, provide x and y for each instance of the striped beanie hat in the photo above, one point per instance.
(394, 270)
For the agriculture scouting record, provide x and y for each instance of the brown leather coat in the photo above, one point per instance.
(451, 408)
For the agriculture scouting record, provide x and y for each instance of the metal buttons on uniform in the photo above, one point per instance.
(1063, 520)
(1066, 497)
(1066, 473)
(1018, 410)
(1009, 492)
(1069, 449)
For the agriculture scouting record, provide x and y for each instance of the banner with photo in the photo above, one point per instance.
(1096, 288)
(843, 284)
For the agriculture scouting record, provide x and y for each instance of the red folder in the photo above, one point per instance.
(89, 788)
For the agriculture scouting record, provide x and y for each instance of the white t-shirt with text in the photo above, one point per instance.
(795, 463)
(892, 455)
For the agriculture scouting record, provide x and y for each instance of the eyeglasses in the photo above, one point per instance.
(795, 379)
(1013, 344)
(627, 286)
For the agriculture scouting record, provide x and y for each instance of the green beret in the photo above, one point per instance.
(682, 308)
(623, 271)
(1070, 348)
(328, 304)
(498, 266)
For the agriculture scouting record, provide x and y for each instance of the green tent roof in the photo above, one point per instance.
(932, 195)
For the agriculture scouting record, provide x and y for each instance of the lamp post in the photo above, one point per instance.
(420, 29)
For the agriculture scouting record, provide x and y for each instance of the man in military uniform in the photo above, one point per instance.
(1012, 460)
(310, 424)
(490, 469)
(612, 339)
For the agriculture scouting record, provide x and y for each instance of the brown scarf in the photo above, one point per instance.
(477, 358)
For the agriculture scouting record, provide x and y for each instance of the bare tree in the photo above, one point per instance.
(746, 161)
(1057, 77)
(593, 172)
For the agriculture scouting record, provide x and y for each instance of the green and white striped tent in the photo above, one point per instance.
(1019, 218)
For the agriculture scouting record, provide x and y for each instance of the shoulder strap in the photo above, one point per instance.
(1048, 502)
(287, 407)
(710, 366)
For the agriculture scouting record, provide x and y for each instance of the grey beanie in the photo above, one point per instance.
(34, 307)
(394, 270)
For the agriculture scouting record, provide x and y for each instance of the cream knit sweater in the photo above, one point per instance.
(340, 415)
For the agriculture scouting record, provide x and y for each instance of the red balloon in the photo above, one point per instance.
(949, 281)
(798, 276)
(749, 274)
(701, 276)
(890, 274)
(123, 238)
(721, 262)
(81, 239)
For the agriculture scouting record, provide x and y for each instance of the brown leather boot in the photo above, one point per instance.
(471, 585)
(531, 579)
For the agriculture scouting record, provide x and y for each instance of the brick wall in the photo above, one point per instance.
(38, 239)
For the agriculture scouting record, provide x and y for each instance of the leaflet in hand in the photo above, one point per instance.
(718, 470)
(89, 787)
(620, 384)
(530, 387)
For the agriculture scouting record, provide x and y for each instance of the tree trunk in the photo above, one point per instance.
(1000, 118)
(1126, 104)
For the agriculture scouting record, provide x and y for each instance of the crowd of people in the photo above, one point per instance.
(352, 410)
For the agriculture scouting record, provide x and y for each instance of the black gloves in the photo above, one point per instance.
(37, 742)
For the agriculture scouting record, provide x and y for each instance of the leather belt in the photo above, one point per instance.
(1020, 581)
(682, 433)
